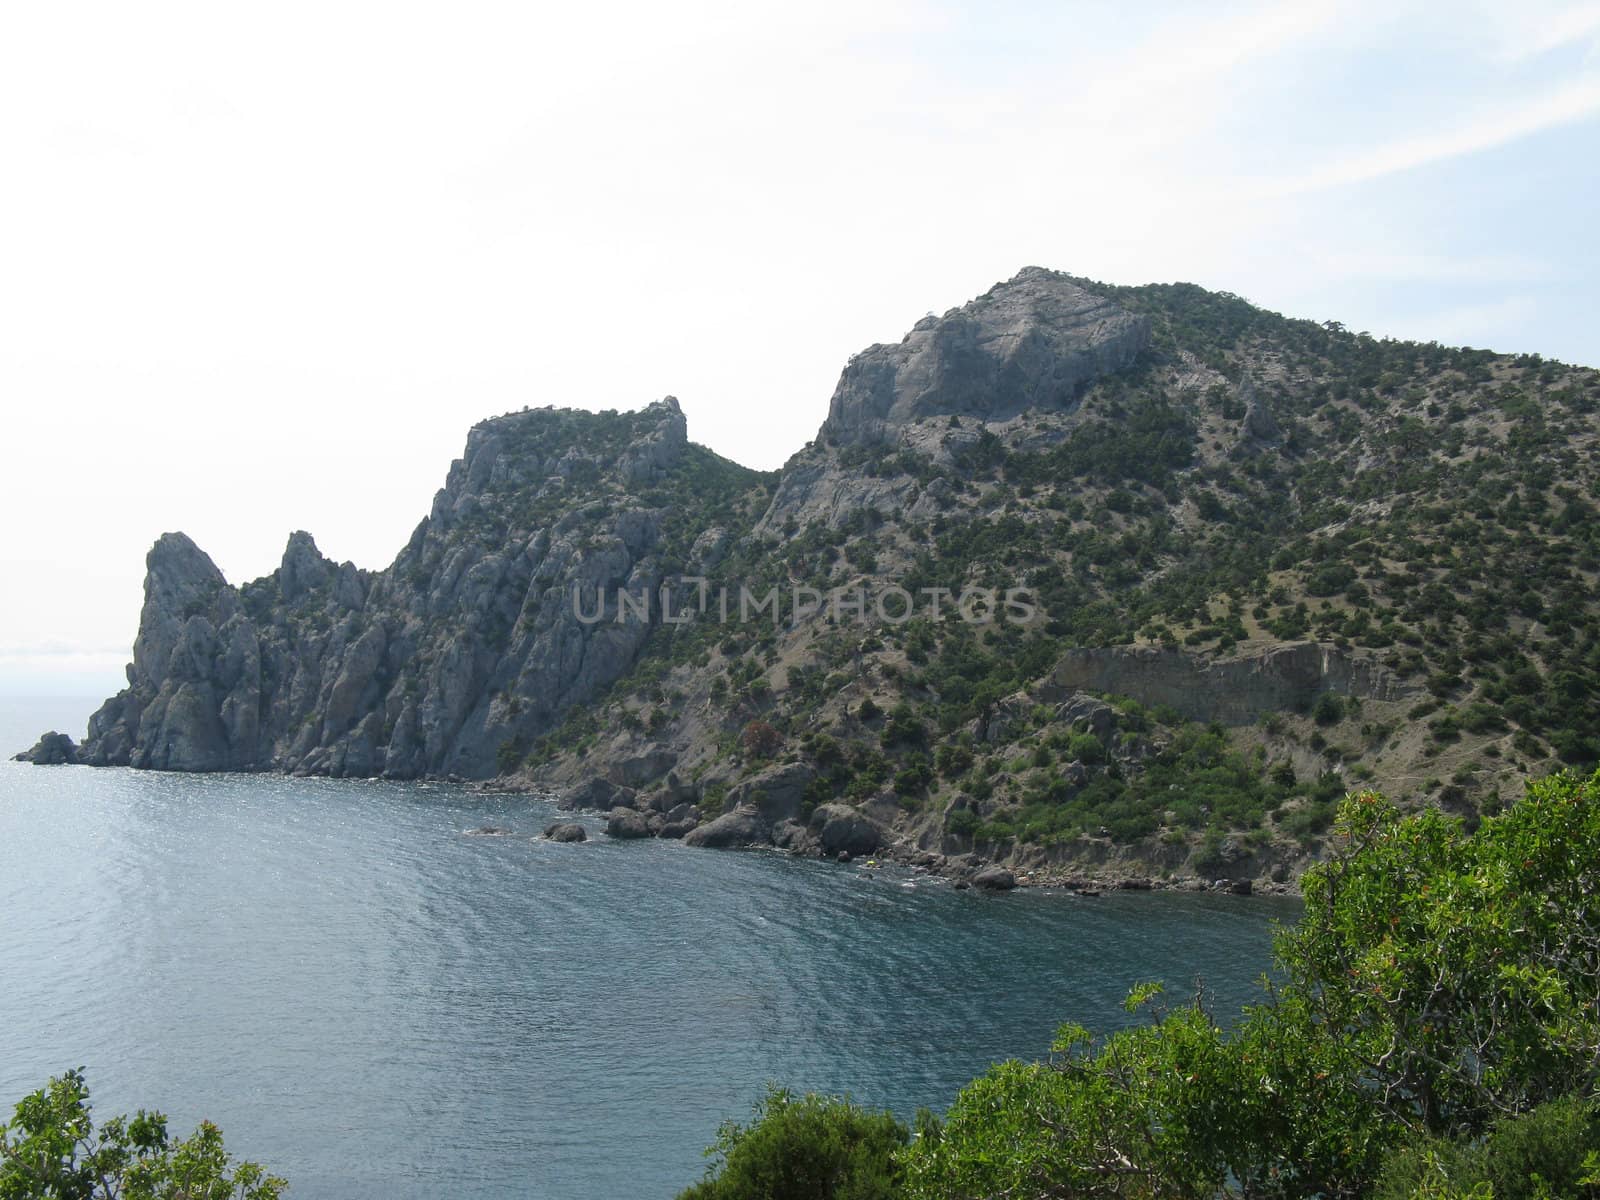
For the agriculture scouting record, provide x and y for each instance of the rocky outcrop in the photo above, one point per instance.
(1260, 426)
(598, 793)
(1031, 343)
(733, 830)
(455, 659)
(1031, 437)
(776, 793)
(52, 750)
(565, 831)
(840, 829)
(639, 769)
(994, 879)
(1026, 348)
(1232, 691)
(626, 824)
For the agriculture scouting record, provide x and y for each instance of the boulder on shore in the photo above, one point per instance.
(599, 794)
(671, 829)
(840, 827)
(741, 827)
(565, 831)
(776, 793)
(627, 823)
(995, 879)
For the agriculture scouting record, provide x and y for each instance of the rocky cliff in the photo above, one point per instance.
(1264, 560)
(468, 642)
(1029, 345)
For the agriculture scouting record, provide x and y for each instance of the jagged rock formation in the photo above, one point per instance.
(469, 642)
(1031, 344)
(1020, 355)
(1265, 559)
(52, 750)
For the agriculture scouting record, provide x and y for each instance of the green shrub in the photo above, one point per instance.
(52, 1151)
(1364, 1062)
(952, 759)
(1550, 1153)
(1328, 709)
(962, 821)
(805, 1148)
(1086, 748)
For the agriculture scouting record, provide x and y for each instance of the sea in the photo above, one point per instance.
(374, 1002)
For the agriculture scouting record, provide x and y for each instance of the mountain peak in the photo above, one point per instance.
(1033, 341)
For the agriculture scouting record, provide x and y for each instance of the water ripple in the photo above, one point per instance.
(380, 1006)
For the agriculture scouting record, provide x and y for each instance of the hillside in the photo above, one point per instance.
(1262, 560)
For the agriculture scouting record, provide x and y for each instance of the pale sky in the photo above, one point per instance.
(262, 266)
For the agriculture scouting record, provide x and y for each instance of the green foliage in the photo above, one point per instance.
(1464, 964)
(1328, 709)
(1549, 1153)
(952, 759)
(903, 728)
(805, 1148)
(51, 1150)
(1435, 1032)
(1086, 748)
(713, 798)
(962, 822)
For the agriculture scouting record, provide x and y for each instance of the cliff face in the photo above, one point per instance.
(1031, 344)
(1229, 691)
(1219, 516)
(469, 642)
(1018, 357)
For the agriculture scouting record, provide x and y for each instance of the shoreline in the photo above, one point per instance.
(963, 870)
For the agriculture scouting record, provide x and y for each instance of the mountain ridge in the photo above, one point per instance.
(1178, 479)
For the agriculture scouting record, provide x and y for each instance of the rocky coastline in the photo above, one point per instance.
(1245, 598)
(769, 813)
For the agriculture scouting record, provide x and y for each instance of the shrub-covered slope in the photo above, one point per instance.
(1288, 558)
(1261, 560)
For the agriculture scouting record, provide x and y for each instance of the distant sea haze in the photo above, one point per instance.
(24, 718)
(376, 1005)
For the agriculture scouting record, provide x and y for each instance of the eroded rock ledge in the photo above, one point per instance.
(1231, 691)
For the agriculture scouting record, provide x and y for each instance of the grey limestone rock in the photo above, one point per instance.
(995, 879)
(52, 750)
(597, 793)
(465, 650)
(838, 827)
(639, 769)
(1029, 343)
(741, 827)
(626, 823)
(775, 793)
(1234, 691)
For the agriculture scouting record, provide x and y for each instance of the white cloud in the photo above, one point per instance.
(1576, 101)
(1529, 32)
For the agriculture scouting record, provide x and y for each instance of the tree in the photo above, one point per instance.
(805, 1148)
(760, 740)
(52, 1151)
(1461, 973)
(1440, 999)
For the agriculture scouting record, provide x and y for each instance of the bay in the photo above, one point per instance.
(375, 1004)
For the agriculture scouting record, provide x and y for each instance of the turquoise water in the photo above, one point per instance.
(376, 1005)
